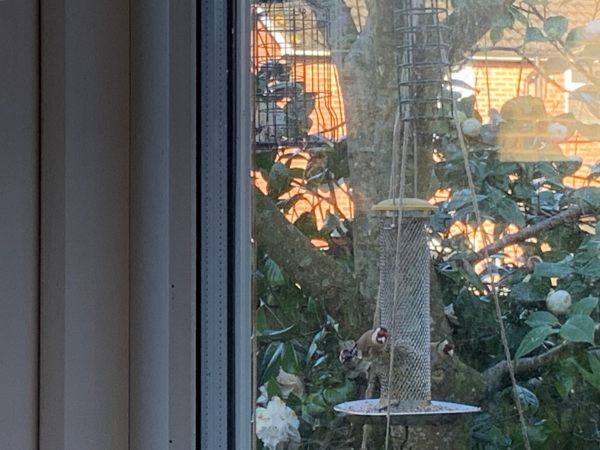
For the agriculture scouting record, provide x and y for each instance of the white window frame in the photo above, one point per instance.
(109, 172)
(118, 317)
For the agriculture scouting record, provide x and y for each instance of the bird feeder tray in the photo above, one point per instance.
(433, 413)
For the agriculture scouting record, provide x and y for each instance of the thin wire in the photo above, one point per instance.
(393, 173)
(415, 161)
(396, 270)
(494, 289)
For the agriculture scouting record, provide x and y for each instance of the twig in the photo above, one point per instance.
(571, 213)
(495, 374)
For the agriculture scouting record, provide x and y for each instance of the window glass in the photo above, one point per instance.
(426, 199)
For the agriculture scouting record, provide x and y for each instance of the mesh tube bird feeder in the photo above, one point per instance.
(404, 301)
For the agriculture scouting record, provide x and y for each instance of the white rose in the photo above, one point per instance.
(558, 302)
(277, 424)
(471, 127)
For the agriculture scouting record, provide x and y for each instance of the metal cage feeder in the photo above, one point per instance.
(297, 98)
(423, 63)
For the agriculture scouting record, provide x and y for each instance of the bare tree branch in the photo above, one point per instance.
(477, 16)
(496, 376)
(571, 213)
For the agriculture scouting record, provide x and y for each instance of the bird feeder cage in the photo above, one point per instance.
(297, 96)
(423, 62)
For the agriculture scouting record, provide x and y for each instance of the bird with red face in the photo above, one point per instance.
(441, 352)
(370, 344)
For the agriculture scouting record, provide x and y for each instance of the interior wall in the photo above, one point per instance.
(19, 243)
(84, 360)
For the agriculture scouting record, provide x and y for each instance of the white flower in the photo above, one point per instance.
(277, 424)
(558, 302)
(591, 32)
(289, 383)
(558, 132)
(263, 398)
(471, 127)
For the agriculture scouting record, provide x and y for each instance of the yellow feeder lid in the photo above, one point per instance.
(406, 204)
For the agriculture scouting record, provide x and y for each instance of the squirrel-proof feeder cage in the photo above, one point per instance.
(297, 98)
(403, 301)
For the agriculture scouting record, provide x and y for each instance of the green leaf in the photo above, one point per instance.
(575, 37)
(528, 399)
(595, 171)
(273, 273)
(553, 66)
(307, 224)
(261, 319)
(274, 333)
(579, 328)
(534, 34)
(273, 388)
(468, 272)
(510, 212)
(590, 195)
(314, 345)
(265, 160)
(528, 292)
(496, 35)
(593, 376)
(270, 360)
(462, 198)
(279, 180)
(504, 20)
(584, 307)
(537, 432)
(559, 269)
(534, 339)
(591, 269)
(518, 15)
(555, 26)
(333, 396)
(565, 380)
(594, 360)
(314, 405)
(541, 318)
(289, 359)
